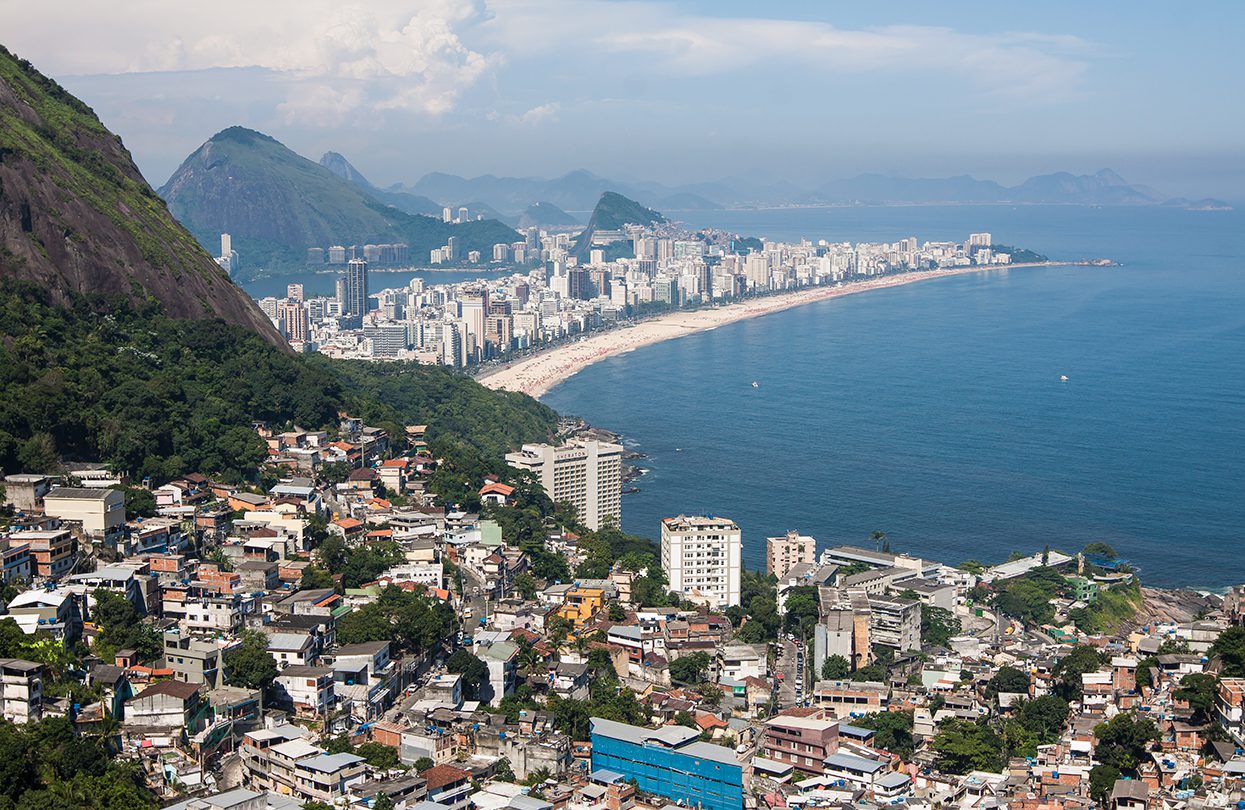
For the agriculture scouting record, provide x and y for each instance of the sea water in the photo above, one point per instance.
(935, 412)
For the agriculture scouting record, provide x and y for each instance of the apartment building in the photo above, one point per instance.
(801, 742)
(670, 761)
(51, 551)
(99, 512)
(702, 557)
(585, 473)
(792, 548)
(21, 690)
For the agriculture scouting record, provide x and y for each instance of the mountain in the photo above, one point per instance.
(546, 215)
(1103, 188)
(276, 204)
(122, 342)
(77, 217)
(410, 203)
(612, 212)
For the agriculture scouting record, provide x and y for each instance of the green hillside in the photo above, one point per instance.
(611, 213)
(76, 215)
(276, 204)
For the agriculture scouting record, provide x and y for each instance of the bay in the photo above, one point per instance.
(935, 412)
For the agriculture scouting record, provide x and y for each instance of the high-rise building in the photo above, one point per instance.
(584, 473)
(783, 552)
(294, 321)
(356, 302)
(452, 249)
(702, 558)
(447, 214)
(463, 214)
(294, 292)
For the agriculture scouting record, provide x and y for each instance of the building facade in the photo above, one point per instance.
(586, 474)
(702, 557)
(790, 549)
(670, 761)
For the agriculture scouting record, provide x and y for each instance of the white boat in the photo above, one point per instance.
(1063, 378)
(755, 384)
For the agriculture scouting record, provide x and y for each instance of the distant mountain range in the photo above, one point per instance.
(579, 191)
(276, 203)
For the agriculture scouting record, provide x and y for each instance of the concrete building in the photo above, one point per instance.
(802, 742)
(25, 491)
(21, 690)
(787, 550)
(586, 474)
(670, 761)
(702, 557)
(895, 622)
(99, 512)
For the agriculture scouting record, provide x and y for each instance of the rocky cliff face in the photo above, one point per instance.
(76, 216)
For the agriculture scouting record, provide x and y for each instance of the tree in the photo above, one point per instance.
(879, 541)
(1099, 549)
(1124, 741)
(1200, 691)
(315, 577)
(963, 746)
(872, 672)
(473, 670)
(801, 609)
(503, 772)
(1102, 780)
(690, 669)
(379, 755)
(1008, 679)
(249, 665)
(938, 625)
(422, 764)
(892, 731)
(616, 612)
(685, 719)
(1230, 648)
(835, 667)
(525, 584)
(139, 502)
(383, 802)
(1072, 666)
(974, 567)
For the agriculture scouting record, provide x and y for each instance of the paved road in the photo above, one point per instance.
(790, 664)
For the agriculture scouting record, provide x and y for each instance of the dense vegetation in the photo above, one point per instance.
(154, 396)
(611, 213)
(1019, 255)
(47, 764)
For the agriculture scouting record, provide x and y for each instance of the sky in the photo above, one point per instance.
(673, 92)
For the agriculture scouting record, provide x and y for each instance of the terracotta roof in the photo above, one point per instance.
(178, 689)
(501, 489)
(395, 462)
(439, 776)
(348, 523)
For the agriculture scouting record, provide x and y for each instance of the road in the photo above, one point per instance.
(790, 663)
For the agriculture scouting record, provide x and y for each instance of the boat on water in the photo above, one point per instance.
(1063, 378)
(755, 384)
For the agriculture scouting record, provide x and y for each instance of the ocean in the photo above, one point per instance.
(935, 412)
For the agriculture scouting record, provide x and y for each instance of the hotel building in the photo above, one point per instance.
(702, 557)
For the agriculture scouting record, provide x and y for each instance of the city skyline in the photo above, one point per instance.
(673, 92)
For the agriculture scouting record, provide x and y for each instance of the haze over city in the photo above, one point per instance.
(669, 92)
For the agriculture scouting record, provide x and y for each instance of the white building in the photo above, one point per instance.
(702, 557)
(790, 549)
(586, 474)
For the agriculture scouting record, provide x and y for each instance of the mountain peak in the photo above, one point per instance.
(77, 217)
(240, 134)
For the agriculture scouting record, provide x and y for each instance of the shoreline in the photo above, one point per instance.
(539, 374)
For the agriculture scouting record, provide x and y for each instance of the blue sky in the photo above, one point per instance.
(673, 91)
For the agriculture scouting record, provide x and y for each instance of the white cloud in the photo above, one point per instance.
(658, 39)
(540, 114)
(408, 55)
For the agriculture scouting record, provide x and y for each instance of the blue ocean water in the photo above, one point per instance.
(935, 412)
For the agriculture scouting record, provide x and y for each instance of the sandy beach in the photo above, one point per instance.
(537, 374)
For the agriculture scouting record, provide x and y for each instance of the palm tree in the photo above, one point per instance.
(880, 541)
